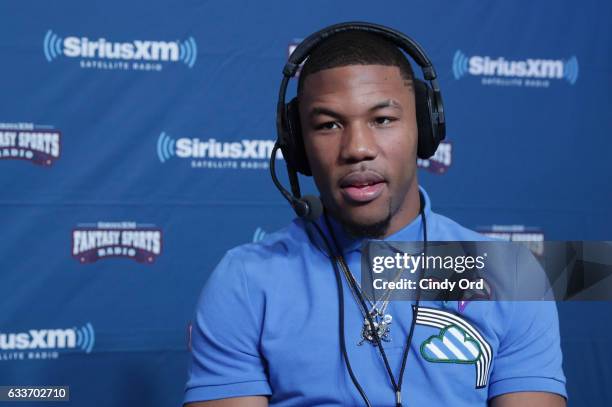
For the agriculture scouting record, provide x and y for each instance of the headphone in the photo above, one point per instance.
(431, 127)
(431, 122)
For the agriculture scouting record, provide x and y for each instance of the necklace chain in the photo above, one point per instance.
(380, 327)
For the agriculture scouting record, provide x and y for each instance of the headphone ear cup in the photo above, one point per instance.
(426, 120)
(293, 148)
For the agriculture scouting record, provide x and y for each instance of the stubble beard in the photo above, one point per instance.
(374, 230)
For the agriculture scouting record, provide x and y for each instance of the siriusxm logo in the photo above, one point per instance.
(440, 162)
(143, 55)
(211, 153)
(81, 339)
(91, 243)
(528, 72)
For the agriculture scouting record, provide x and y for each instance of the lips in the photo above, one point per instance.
(362, 186)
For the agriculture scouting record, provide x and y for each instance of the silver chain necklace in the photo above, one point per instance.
(381, 320)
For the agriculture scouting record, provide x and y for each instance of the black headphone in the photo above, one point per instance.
(431, 123)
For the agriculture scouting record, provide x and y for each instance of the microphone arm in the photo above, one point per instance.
(309, 206)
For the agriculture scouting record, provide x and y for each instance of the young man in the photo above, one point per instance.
(266, 330)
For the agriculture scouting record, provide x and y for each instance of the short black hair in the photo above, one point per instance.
(355, 48)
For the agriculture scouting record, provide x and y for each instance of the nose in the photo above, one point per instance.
(358, 144)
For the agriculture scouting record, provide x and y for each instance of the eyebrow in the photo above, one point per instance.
(317, 110)
(386, 103)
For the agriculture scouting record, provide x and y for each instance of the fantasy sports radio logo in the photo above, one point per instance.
(39, 144)
(502, 72)
(46, 343)
(440, 162)
(213, 154)
(131, 55)
(532, 236)
(92, 242)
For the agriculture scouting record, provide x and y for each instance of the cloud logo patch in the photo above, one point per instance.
(451, 345)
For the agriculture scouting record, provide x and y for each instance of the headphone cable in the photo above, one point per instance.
(338, 259)
(341, 317)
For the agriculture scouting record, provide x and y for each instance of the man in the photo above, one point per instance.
(266, 330)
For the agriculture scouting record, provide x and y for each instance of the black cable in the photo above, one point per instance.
(341, 317)
(415, 309)
(396, 387)
(364, 306)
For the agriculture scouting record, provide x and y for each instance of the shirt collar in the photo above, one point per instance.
(349, 244)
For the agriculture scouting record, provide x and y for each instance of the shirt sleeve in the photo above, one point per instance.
(225, 358)
(529, 356)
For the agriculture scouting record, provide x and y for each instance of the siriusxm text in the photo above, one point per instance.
(39, 339)
(211, 148)
(529, 68)
(135, 50)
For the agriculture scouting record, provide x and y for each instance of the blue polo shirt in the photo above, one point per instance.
(267, 324)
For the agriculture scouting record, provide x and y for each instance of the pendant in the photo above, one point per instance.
(381, 328)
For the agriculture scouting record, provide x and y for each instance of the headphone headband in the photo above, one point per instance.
(399, 39)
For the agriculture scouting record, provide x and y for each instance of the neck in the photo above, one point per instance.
(407, 212)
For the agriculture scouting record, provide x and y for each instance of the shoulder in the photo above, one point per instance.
(258, 264)
(249, 272)
(282, 243)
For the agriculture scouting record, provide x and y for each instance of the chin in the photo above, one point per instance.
(363, 216)
(366, 221)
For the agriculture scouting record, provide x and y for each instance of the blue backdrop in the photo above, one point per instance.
(133, 153)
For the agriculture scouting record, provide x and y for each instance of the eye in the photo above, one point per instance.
(384, 120)
(327, 126)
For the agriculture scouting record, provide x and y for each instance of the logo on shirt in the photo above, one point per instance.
(92, 242)
(457, 341)
(46, 343)
(451, 345)
(39, 144)
(530, 72)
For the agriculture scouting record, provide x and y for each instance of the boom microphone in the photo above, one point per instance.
(308, 207)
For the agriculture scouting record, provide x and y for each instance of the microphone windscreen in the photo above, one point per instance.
(315, 207)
